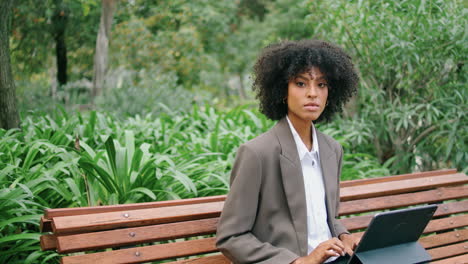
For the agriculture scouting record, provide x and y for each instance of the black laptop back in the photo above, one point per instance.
(396, 227)
(392, 237)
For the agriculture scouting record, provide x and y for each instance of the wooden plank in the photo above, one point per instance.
(45, 225)
(397, 187)
(448, 223)
(444, 238)
(217, 259)
(50, 213)
(451, 208)
(397, 177)
(356, 222)
(448, 251)
(134, 236)
(133, 218)
(147, 253)
(432, 241)
(439, 224)
(402, 200)
(463, 259)
(362, 221)
(48, 242)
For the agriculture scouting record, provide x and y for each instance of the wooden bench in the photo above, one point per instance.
(182, 231)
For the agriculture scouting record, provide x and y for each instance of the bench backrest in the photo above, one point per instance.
(172, 230)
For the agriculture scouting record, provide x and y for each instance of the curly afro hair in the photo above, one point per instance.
(281, 62)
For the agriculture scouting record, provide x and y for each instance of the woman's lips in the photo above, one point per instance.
(311, 107)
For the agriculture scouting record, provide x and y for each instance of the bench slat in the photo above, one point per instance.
(48, 242)
(415, 175)
(362, 221)
(448, 251)
(217, 259)
(46, 225)
(433, 241)
(46, 222)
(147, 253)
(444, 238)
(439, 224)
(133, 218)
(50, 213)
(134, 236)
(397, 187)
(401, 200)
(446, 223)
(463, 259)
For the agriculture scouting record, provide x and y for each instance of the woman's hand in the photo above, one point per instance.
(350, 242)
(330, 248)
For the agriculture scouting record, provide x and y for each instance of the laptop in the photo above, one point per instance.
(392, 237)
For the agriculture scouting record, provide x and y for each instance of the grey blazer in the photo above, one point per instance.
(264, 219)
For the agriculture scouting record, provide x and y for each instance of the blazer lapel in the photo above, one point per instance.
(329, 163)
(293, 182)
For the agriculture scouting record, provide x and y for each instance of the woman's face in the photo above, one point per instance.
(307, 95)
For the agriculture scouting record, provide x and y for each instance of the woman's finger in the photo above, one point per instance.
(331, 253)
(337, 249)
(339, 242)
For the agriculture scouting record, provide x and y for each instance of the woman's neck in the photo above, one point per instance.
(303, 128)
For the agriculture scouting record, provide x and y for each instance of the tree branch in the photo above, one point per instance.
(429, 130)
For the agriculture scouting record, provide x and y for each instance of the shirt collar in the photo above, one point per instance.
(301, 147)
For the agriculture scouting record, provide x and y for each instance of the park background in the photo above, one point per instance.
(142, 100)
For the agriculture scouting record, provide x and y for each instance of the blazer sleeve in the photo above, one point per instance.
(234, 236)
(338, 226)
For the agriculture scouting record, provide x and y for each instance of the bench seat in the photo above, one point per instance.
(182, 231)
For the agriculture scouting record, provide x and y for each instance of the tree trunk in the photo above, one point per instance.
(102, 46)
(242, 94)
(53, 80)
(61, 53)
(9, 117)
(59, 21)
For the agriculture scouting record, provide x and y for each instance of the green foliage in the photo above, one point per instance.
(413, 90)
(19, 213)
(32, 40)
(356, 165)
(181, 37)
(131, 93)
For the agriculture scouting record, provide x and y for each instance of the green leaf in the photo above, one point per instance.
(16, 237)
(145, 191)
(110, 150)
(20, 219)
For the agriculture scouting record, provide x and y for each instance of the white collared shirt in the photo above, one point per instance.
(318, 230)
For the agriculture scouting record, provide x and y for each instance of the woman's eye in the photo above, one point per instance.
(300, 84)
(323, 85)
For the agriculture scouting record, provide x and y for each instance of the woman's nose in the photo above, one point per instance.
(312, 91)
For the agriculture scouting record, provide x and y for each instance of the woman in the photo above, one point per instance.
(284, 196)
